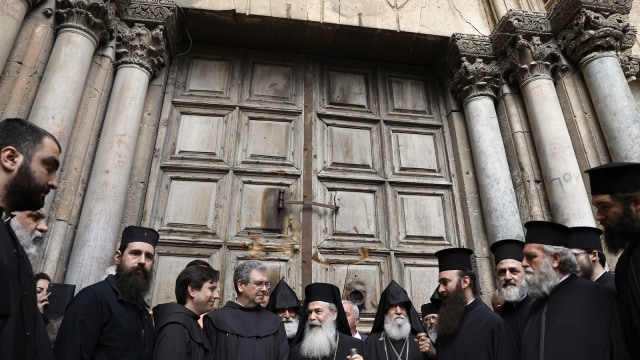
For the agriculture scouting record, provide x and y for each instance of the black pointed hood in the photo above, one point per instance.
(395, 294)
(283, 297)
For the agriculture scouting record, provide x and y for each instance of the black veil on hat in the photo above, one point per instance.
(585, 237)
(615, 178)
(546, 233)
(282, 297)
(507, 249)
(427, 309)
(395, 294)
(322, 292)
(138, 234)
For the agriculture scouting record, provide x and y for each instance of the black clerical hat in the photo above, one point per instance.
(614, 178)
(546, 233)
(454, 259)
(138, 234)
(392, 295)
(283, 297)
(323, 292)
(427, 309)
(507, 249)
(585, 237)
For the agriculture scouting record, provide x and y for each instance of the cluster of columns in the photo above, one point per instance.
(525, 49)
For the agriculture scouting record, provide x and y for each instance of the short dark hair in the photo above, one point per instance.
(472, 278)
(42, 276)
(26, 137)
(198, 262)
(194, 276)
(602, 259)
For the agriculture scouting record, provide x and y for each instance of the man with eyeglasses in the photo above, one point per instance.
(284, 303)
(243, 329)
(584, 243)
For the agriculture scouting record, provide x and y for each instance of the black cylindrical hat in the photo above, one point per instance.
(454, 259)
(546, 233)
(585, 237)
(507, 249)
(614, 178)
(138, 234)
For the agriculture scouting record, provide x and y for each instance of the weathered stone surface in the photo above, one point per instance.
(473, 68)
(140, 46)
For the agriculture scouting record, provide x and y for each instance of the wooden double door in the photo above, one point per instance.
(326, 169)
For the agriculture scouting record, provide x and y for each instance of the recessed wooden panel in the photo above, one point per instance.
(420, 278)
(210, 76)
(275, 82)
(191, 203)
(347, 89)
(259, 210)
(422, 216)
(350, 147)
(201, 134)
(407, 96)
(357, 214)
(414, 152)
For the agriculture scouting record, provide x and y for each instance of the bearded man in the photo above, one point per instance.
(284, 303)
(397, 331)
(324, 333)
(571, 318)
(110, 319)
(30, 227)
(512, 290)
(429, 313)
(467, 328)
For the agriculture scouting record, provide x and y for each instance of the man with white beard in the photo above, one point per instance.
(284, 303)
(324, 333)
(30, 227)
(512, 288)
(397, 331)
(571, 318)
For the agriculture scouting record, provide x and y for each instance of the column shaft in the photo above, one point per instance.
(99, 225)
(10, 21)
(616, 108)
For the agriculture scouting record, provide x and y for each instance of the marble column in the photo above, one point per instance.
(593, 34)
(12, 14)
(139, 54)
(525, 42)
(82, 27)
(475, 81)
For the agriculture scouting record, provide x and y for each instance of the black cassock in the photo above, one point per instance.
(345, 344)
(479, 337)
(628, 286)
(236, 332)
(178, 334)
(580, 322)
(515, 317)
(607, 280)
(376, 344)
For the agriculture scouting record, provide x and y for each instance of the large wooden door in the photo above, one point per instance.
(252, 144)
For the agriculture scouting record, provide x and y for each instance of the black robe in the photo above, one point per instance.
(178, 334)
(607, 280)
(515, 317)
(22, 331)
(375, 346)
(100, 324)
(479, 337)
(236, 332)
(579, 317)
(345, 344)
(628, 286)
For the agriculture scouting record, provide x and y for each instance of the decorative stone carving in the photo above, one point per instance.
(89, 16)
(563, 12)
(152, 14)
(29, 4)
(473, 69)
(140, 46)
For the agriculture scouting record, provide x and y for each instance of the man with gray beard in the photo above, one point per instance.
(324, 333)
(571, 318)
(30, 227)
(512, 289)
(397, 331)
(284, 303)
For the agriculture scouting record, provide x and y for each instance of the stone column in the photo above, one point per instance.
(475, 81)
(592, 34)
(525, 41)
(139, 54)
(12, 14)
(82, 26)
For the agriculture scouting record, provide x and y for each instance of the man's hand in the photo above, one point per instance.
(355, 357)
(42, 302)
(425, 345)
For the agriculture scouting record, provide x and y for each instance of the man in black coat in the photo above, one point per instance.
(110, 319)
(284, 303)
(397, 331)
(178, 334)
(584, 243)
(29, 160)
(615, 193)
(324, 333)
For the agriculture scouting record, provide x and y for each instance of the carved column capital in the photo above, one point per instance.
(89, 16)
(137, 45)
(154, 13)
(473, 69)
(28, 4)
(523, 40)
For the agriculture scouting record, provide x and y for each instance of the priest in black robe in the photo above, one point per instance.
(571, 318)
(584, 243)
(512, 290)
(243, 329)
(397, 331)
(324, 334)
(467, 328)
(284, 303)
(429, 313)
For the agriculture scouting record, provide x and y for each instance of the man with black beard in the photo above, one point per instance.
(467, 328)
(584, 243)
(615, 193)
(284, 303)
(397, 331)
(30, 227)
(324, 333)
(29, 160)
(571, 318)
(110, 319)
(512, 289)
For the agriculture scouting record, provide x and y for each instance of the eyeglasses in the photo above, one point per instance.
(266, 284)
(576, 254)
